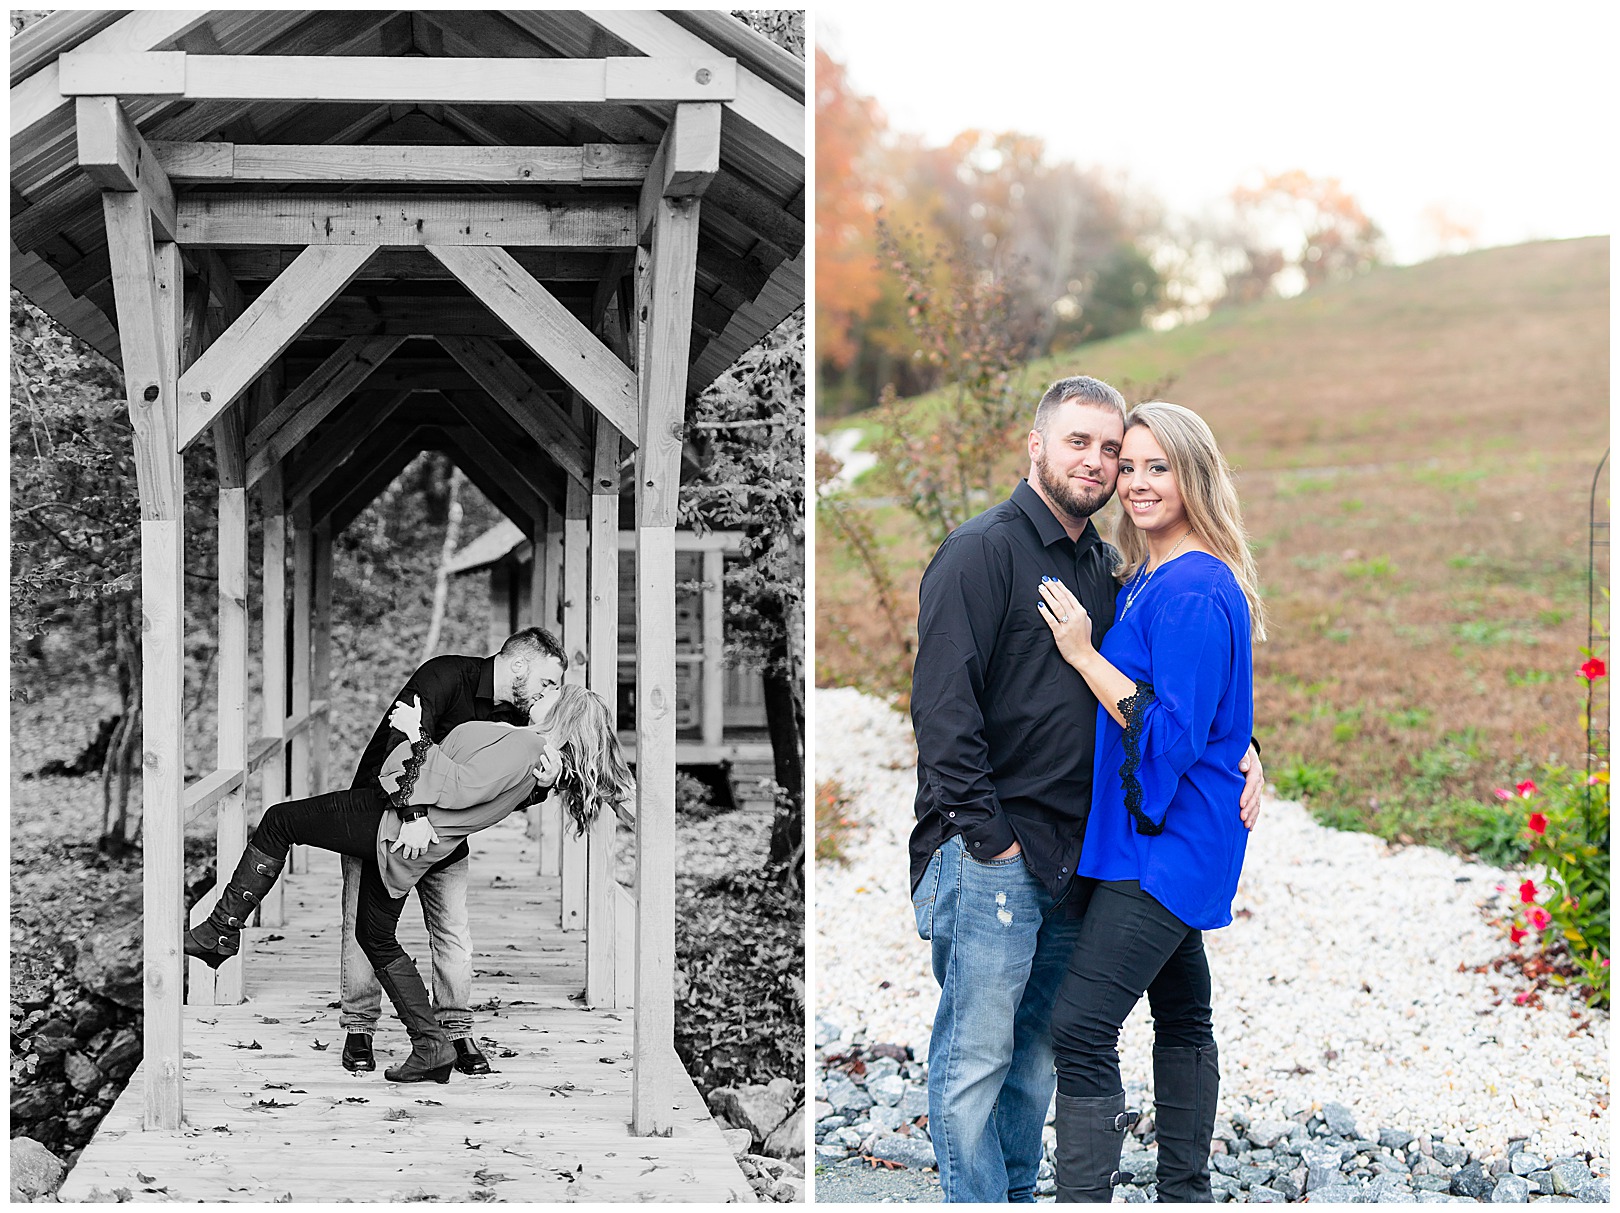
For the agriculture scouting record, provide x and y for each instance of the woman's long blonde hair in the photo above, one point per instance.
(594, 773)
(1208, 495)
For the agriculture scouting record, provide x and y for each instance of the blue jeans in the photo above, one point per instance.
(443, 894)
(1001, 948)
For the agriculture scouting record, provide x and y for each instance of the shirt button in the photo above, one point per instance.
(975, 846)
(950, 814)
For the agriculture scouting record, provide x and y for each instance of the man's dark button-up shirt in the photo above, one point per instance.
(1005, 727)
(452, 691)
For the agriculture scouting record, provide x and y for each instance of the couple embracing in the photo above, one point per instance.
(467, 741)
(1085, 786)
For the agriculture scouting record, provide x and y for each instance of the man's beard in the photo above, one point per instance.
(1078, 505)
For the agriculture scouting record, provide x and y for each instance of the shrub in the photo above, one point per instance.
(1297, 779)
(832, 821)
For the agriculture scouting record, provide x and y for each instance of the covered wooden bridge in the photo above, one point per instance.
(326, 241)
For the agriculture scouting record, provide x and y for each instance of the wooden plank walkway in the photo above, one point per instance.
(271, 1115)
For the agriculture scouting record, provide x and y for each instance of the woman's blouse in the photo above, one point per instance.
(478, 774)
(1165, 790)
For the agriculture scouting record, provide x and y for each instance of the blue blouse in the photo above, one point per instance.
(1164, 808)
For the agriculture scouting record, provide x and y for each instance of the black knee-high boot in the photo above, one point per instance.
(217, 939)
(1186, 1082)
(1090, 1138)
(431, 1052)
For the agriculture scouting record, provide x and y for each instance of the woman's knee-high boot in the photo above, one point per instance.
(1186, 1082)
(1090, 1138)
(432, 1055)
(217, 939)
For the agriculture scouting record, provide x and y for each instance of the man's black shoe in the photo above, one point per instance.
(357, 1053)
(468, 1059)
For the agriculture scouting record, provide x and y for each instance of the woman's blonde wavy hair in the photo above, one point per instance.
(1208, 495)
(594, 773)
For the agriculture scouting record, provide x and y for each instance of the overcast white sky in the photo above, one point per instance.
(1505, 114)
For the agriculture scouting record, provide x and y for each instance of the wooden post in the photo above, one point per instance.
(303, 603)
(230, 826)
(542, 586)
(273, 663)
(320, 728)
(714, 647)
(602, 676)
(662, 381)
(576, 591)
(147, 287)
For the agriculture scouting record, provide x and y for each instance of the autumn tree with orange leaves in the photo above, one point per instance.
(1310, 225)
(847, 272)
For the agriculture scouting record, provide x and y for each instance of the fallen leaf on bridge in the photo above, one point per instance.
(318, 1046)
(240, 1045)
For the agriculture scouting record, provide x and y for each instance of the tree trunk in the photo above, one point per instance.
(441, 584)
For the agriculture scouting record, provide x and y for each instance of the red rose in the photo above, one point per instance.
(1527, 892)
(1537, 823)
(1592, 669)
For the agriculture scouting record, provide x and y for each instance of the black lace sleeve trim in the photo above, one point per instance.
(407, 779)
(1134, 709)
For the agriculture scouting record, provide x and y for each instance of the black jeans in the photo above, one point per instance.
(346, 822)
(1128, 944)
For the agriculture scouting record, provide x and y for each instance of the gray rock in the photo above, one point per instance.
(1248, 1176)
(1262, 1195)
(35, 1171)
(1223, 1183)
(1511, 1190)
(739, 1141)
(787, 1139)
(845, 1096)
(1225, 1132)
(1500, 1166)
(886, 1118)
(1541, 1181)
(758, 1109)
(850, 1138)
(1515, 1144)
(82, 1073)
(1567, 1177)
(787, 1190)
(1523, 1162)
(821, 1110)
(908, 1152)
(1432, 1183)
(1322, 1167)
(1395, 1139)
(1449, 1155)
(1595, 1191)
(1339, 1119)
(887, 1089)
(1437, 1198)
(121, 1054)
(880, 1067)
(1267, 1133)
(826, 1032)
(828, 1152)
(1472, 1182)
(110, 958)
(914, 1102)
(1338, 1194)
(1291, 1186)
(1226, 1164)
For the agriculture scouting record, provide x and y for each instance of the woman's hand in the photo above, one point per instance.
(549, 769)
(1070, 624)
(415, 837)
(407, 718)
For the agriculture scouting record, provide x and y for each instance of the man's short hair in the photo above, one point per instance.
(1077, 387)
(531, 642)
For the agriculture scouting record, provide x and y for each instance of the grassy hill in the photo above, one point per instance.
(1415, 450)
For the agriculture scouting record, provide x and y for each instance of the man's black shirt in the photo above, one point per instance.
(1006, 728)
(452, 690)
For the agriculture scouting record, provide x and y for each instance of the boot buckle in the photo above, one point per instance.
(247, 895)
(1125, 1120)
(262, 869)
(234, 922)
(1120, 1177)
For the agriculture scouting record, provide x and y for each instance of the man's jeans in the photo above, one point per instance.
(1001, 948)
(443, 895)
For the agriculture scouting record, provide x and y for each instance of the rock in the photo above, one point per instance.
(1262, 1195)
(787, 1139)
(757, 1109)
(1291, 1186)
(1449, 1155)
(1267, 1133)
(887, 1118)
(826, 1032)
(787, 1190)
(124, 1050)
(1322, 1166)
(1472, 1182)
(850, 1138)
(886, 1090)
(38, 1102)
(880, 1067)
(1594, 1191)
(1248, 1176)
(32, 995)
(1432, 1183)
(1511, 1190)
(845, 1096)
(738, 1141)
(827, 1152)
(1395, 1139)
(914, 1103)
(909, 1153)
(82, 1073)
(784, 1091)
(1339, 1119)
(91, 1016)
(1540, 1181)
(1225, 1164)
(110, 958)
(1224, 1132)
(821, 1110)
(1500, 1166)
(1515, 1144)
(1340, 1193)
(1567, 1177)
(35, 1171)
(1522, 1162)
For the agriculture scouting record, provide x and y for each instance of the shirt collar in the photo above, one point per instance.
(1046, 523)
(486, 680)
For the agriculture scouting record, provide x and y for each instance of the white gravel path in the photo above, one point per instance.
(1338, 981)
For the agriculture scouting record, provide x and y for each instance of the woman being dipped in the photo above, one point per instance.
(1164, 842)
(480, 773)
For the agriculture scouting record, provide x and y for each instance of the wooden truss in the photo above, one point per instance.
(201, 357)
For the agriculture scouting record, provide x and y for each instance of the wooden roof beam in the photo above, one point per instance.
(266, 327)
(401, 221)
(507, 384)
(114, 156)
(357, 424)
(520, 478)
(605, 164)
(549, 329)
(366, 473)
(313, 400)
(686, 162)
(703, 76)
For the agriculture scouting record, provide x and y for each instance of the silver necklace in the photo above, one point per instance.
(1141, 580)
